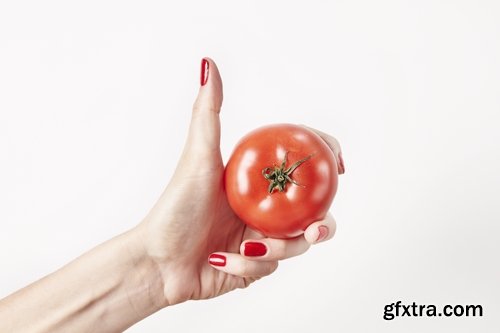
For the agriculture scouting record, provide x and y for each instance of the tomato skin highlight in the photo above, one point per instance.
(281, 214)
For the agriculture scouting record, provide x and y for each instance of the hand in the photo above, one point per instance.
(163, 261)
(192, 219)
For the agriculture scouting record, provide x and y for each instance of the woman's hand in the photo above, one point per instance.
(163, 261)
(200, 246)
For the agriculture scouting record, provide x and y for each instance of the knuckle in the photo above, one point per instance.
(199, 108)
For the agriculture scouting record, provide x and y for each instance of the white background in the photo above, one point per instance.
(95, 101)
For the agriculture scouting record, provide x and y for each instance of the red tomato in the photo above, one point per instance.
(281, 178)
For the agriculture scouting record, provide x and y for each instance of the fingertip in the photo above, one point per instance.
(341, 166)
(312, 233)
(334, 145)
(210, 75)
(321, 231)
(210, 95)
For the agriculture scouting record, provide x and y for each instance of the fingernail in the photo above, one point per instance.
(217, 259)
(322, 232)
(341, 164)
(254, 249)
(204, 71)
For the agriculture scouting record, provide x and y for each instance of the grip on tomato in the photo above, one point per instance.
(280, 179)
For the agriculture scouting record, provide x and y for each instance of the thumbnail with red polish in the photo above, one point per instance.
(204, 71)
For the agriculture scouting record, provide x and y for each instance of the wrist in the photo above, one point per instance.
(145, 271)
(110, 288)
(175, 275)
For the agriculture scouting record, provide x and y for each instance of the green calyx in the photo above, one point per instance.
(278, 177)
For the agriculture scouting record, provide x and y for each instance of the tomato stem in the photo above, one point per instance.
(278, 177)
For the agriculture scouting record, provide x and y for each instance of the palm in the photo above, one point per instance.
(200, 221)
(224, 232)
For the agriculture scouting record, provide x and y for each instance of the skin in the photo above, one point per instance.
(162, 261)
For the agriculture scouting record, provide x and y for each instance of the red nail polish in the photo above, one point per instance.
(217, 259)
(254, 249)
(322, 232)
(204, 71)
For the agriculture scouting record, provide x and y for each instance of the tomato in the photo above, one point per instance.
(280, 179)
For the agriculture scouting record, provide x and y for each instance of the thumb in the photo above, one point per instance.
(204, 130)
